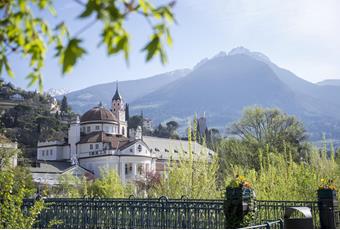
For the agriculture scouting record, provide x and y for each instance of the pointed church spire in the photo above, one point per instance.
(116, 96)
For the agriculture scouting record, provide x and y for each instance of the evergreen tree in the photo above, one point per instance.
(64, 105)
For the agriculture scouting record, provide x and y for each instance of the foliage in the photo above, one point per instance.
(148, 185)
(25, 34)
(327, 184)
(239, 182)
(64, 107)
(135, 121)
(167, 131)
(14, 187)
(192, 175)
(280, 178)
(31, 120)
(259, 127)
(107, 186)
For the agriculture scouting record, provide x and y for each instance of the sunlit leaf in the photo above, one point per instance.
(71, 54)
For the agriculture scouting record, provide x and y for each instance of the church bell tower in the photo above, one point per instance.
(118, 109)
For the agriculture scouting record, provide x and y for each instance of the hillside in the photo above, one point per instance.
(330, 82)
(84, 99)
(30, 119)
(221, 87)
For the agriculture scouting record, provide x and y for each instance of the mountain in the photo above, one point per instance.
(221, 87)
(330, 82)
(57, 92)
(83, 100)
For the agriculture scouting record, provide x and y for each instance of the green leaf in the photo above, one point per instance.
(90, 8)
(7, 67)
(152, 47)
(71, 54)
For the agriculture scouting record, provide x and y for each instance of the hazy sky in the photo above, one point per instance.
(300, 35)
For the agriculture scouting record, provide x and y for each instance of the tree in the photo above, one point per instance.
(172, 126)
(15, 185)
(64, 105)
(135, 121)
(261, 127)
(23, 33)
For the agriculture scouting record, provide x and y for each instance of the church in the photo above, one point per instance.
(99, 141)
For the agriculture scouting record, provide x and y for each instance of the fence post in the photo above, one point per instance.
(327, 204)
(238, 207)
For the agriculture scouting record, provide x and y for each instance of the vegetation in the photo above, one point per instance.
(261, 128)
(25, 34)
(167, 131)
(15, 185)
(107, 186)
(32, 119)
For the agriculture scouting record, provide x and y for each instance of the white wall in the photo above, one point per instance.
(136, 149)
(98, 127)
(50, 153)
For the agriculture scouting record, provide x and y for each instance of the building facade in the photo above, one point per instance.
(99, 141)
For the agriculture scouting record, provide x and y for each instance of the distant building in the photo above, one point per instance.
(16, 97)
(98, 141)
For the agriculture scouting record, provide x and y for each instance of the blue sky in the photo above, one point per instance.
(300, 35)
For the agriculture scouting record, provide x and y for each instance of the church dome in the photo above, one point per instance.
(98, 114)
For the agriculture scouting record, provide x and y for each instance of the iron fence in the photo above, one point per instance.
(337, 218)
(273, 210)
(278, 224)
(133, 213)
(156, 213)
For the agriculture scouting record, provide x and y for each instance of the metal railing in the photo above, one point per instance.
(273, 210)
(337, 218)
(278, 224)
(132, 213)
(156, 213)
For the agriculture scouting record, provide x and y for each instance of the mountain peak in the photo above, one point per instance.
(257, 55)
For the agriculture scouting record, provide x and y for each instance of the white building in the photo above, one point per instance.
(98, 141)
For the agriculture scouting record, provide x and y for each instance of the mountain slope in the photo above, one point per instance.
(83, 100)
(330, 82)
(224, 85)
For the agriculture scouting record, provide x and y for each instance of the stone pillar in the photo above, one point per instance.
(134, 170)
(122, 171)
(238, 203)
(327, 204)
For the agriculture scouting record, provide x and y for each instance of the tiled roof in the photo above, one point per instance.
(165, 148)
(117, 141)
(51, 167)
(98, 114)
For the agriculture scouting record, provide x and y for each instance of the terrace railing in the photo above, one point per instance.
(133, 213)
(156, 213)
(267, 210)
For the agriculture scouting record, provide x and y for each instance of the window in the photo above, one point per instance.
(139, 148)
(131, 150)
(43, 153)
(97, 146)
(123, 131)
(51, 152)
(88, 129)
(91, 146)
(97, 127)
(140, 169)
